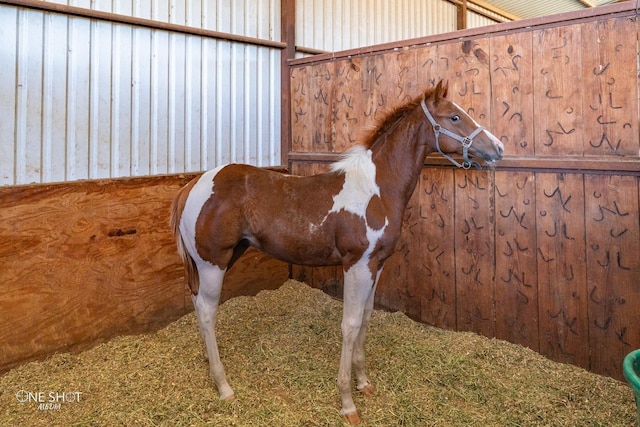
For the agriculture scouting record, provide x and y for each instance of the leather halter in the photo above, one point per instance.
(465, 141)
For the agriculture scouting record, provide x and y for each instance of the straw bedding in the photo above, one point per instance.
(281, 350)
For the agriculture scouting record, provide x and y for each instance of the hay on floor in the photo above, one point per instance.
(281, 350)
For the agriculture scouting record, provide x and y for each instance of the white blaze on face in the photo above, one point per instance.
(198, 196)
(358, 189)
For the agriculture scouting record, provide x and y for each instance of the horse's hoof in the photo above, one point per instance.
(229, 398)
(353, 419)
(368, 390)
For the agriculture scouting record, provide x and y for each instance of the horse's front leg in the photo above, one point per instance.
(362, 381)
(358, 289)
(206, 305)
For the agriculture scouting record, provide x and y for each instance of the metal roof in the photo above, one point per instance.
(535, 8)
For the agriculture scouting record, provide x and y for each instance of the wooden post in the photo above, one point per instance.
(288, 29)
(462, 15)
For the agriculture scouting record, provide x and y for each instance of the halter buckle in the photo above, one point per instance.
(466, 142)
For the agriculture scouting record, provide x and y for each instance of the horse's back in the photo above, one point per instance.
(281, 214)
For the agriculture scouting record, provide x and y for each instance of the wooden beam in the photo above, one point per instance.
(140, 22)
(624, 166)
(462, 15)
(492, 8)
(288, 29)
(586, 3)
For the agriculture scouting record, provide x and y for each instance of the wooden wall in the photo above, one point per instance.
(544, 250)
(83, 262)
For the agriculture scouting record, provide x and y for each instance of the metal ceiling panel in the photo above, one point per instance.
(533, 9)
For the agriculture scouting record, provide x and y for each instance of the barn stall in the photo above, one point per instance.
(111, 109)
(542, 264)
(108, 110)
(543, 251)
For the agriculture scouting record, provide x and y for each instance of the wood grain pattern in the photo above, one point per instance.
(427, 66)
(397, 287)
(437, 249)
(466, 66)
(516, 251)
(83, 262)
(558, 114)
(562, 290)
(564, 100)
(512, 92)
(613, 269)
(312, 96)
(350, 122)
(474, 251)
(609, 87)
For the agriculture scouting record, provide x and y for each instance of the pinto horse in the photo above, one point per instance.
(350, 216)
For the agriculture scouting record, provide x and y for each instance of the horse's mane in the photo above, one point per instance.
(352, 158)
(390, 119)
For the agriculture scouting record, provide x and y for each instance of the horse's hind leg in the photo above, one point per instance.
(206, 305)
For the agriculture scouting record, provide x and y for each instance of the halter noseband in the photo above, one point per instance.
(465, 141)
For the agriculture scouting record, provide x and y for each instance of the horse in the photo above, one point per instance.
(350, 216)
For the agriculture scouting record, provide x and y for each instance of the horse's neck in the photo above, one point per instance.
(399, 158)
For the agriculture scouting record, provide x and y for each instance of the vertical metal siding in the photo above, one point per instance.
(92, 99)
(334, 25)
(475, 20)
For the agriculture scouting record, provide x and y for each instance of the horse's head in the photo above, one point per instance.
(456, 132)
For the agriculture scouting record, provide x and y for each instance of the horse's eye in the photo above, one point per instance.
(455, 118)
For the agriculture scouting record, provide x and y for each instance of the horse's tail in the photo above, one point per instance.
(189, 263)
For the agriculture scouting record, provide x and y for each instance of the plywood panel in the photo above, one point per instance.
(437, 228)
(613, 269)
(516, 272)
(349, 104)
(466, 66)
(311, 118)
(401, 277)
(553, 94)
(403, 77)
(562, 290)
(557, 60)
(357, 109)
(426, 66)
(88, 261)
(609, 87)
(474, 251)
(512, 92)
(387, 81)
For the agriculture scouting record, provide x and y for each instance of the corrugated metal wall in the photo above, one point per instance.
(95, 99)
(334, 25)
(475, 20)
(87, 98)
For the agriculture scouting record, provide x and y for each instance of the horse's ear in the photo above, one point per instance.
(442, 88)
(440, 91)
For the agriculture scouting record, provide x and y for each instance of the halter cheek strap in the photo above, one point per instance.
(465, 141)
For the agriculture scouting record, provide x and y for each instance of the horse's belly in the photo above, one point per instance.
(300, 251)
